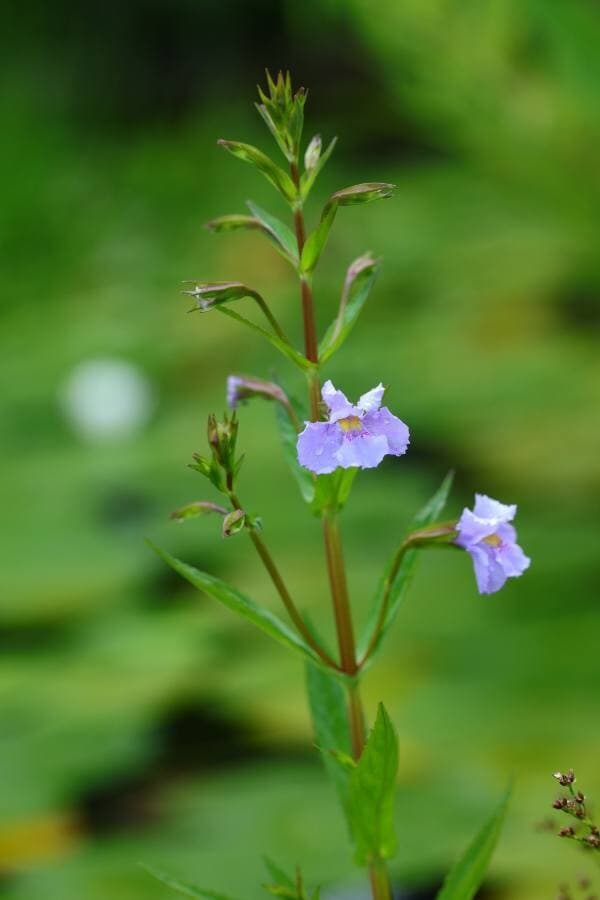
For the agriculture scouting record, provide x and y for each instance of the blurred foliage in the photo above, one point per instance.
(140, 721)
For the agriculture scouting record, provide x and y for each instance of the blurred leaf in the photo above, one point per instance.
(184, 887)
(288, 351)
(239, 603)
(427, 515)
(289, 439)
(272, 172)
(329, 711)
(372, 787)
(310, 176)
(277, 874)
(281, 235)
(359, 280)
(467, 874)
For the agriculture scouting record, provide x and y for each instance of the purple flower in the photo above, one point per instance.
(485, 533)
(358, 435)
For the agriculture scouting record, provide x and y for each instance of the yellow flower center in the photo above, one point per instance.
(493, 540)
(350, 423)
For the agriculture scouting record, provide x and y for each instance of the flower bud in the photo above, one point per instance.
(362, 193)
(312, 154)
(234, 522)
(241, 388)
(209, 294)
(197, 508)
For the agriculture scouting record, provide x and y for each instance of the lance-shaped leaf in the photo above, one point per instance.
(359, 280)
(272, 172)
(236, 601)
(282, 345)
(466, 875)
(184, 887)
(197, 508)
(371, 792)
(277, 875)
(328, 707)
(350, 196)
(283, 242)
(311, 174)
(332, 490)
(390, 594)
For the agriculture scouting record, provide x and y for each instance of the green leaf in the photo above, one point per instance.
(310, 176)
(467, 874)
(329, 711)
(184, 887)
(315, 243)
(272, 172)
(277, 875)
(372, 787)
(288, 351)
(427, 515)
(289, 439)
(239, 603)
(359, 280)
(279, 231)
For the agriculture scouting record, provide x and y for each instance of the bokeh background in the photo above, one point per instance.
(141, 723)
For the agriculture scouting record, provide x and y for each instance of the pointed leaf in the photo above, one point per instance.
(288, 351)
(467, 874)
(279, 239)
(359, 280)
(272, 172)
(277, 875)
(239, 603)
(184, 887)
(329, 711)
(372, 787)
(281, 234)
(427, 515)
(315, 243)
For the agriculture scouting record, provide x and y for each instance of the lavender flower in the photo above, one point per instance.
(358, 435)
(485, 533)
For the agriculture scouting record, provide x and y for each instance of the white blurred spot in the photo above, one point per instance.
(107, 399)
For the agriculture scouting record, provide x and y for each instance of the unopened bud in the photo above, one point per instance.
(560, 803)
(313, 152)
(362, 193)
(566, 831)
(197, 508)
(593, 840)
(580, 797)
(565, 778)
(234, 522)
(214, 293)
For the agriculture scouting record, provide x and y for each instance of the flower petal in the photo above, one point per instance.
(472, 529)
(486, 508)
(514, 561)
(317, 447)
(489, 573)
(371, 401)
(365, 451)
(391, 427)
(337, 402)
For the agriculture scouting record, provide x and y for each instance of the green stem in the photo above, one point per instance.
(380, 886)
(280, 586)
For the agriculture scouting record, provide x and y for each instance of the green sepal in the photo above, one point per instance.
(234, 600)
(184, 887)
(329, 712)
(197, 508)
(279, 231)
(360, 277)
(210, 469)
(272, 172)
(428, 514)
(332, 490)
(310, 176)
(466, 875)
(288, 351)
(371, 790)
(278, 234)
(234, 523)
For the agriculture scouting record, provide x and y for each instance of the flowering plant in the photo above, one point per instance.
(325, 444)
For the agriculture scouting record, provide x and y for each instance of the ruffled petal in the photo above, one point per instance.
(371, 401)
(338, 404)
(486, 508)
(365, 451)
(513, 560)
(391, 427)
(472, 528)
(489, 573)
(317, 447)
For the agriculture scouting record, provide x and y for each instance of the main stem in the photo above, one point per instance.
(380, 884)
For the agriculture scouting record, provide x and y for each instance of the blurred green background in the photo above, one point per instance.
(139, 721)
